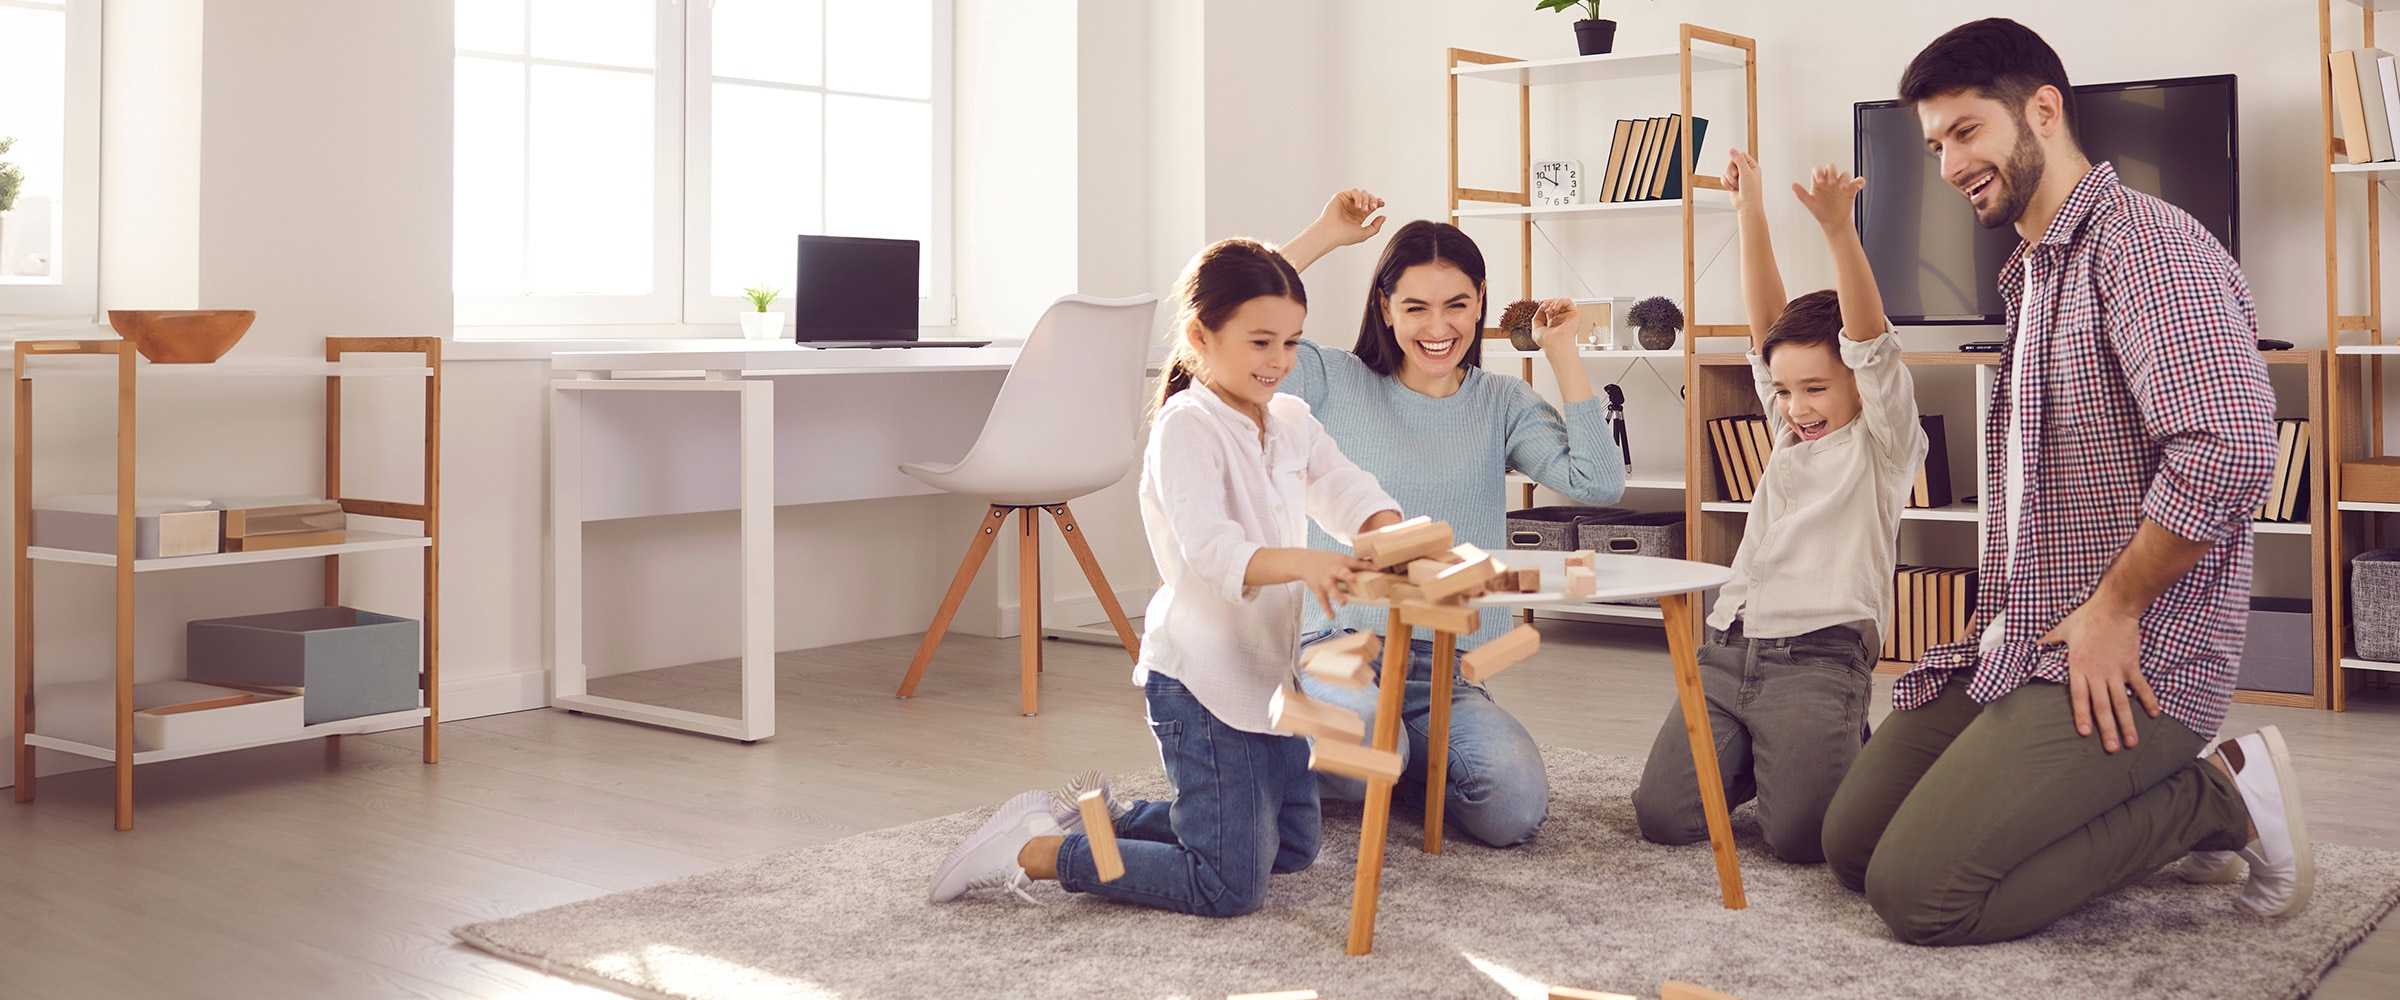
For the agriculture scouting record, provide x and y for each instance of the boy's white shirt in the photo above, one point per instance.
(1822, 538)
(1211, 498)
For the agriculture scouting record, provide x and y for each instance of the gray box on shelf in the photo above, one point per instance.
(1552, 528)
(347, 662)
(1631, 533)
(2375, 604)
(2280, 650)
(160, 527)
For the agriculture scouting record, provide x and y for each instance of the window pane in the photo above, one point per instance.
(488, 180)
(610, 32)
(879, 171)
(590, 195)
(33, 112)
(492, 26)
(765, 184)
(775, 40)
(864, 50)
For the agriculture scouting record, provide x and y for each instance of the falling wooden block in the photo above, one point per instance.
(1402, 593)
(1372, 585)
(1367, 542)
(1365, 645)
(1677, 989)
(1356, 761)
(1301, 715)
(1581, 582)
(1457, 581)
(1421, 570)
(1456, 619)
(1500, 654)
(1285, 995)
(1529, 580)
(1415, 543)
(1571, 993)
(1345, 669)
(1102, 834)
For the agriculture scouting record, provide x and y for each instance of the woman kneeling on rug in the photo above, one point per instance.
(1229, 471)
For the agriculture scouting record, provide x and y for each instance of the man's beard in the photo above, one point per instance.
(2019, 176)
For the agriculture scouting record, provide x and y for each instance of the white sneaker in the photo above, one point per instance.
(2212, 867)
(2282, 866)
(1068, 812)
(988, 860)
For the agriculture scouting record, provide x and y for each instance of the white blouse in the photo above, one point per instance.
(1823, 534)
(1211, 498)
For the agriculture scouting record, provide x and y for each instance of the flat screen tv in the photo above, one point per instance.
(2175, 139)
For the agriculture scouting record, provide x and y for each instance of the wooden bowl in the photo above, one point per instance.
(182, 336)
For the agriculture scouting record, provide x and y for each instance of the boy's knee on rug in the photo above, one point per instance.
(1505, 815)
(1670, 816)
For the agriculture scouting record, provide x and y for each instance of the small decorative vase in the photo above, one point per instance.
(762, 325)
(1657, 338)
(1595, 38)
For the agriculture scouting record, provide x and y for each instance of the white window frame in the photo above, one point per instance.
(679, 304)
(78, 295)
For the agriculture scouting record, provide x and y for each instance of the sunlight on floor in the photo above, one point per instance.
(669, 969)
(1516, 983)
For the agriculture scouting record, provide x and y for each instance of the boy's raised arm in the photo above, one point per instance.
(1829, 196)
(1762, 284)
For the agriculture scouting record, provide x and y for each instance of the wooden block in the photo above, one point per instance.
(1362, 644)
(1676, 989)
(1415, 543)
(1102, 834)
(1345, 669)
(1366, 543)
(1285, 995)
(1402, 593)
(1571, 993)
(1500, 654)
(1458, 581)
(1529, 580)
(1372, 586)
(1421, 570)
(1581, 582)
(1467, 552)
(1456, 619)
(1584, 558)
(1354, 760)
(1301, 715)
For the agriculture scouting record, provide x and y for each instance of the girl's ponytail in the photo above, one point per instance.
(1217, 282)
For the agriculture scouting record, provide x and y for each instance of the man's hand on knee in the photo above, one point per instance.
(2104, 657)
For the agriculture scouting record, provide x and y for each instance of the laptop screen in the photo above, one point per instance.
(855, 288)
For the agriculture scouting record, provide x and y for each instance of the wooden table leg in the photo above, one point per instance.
(1374, 824)
(1683, 648)
(1437, 743)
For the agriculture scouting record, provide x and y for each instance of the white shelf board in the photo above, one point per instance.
(1635, 480)
(359, 541)
(2369, 505)
(1613, 66)
(2370, 169)
(2353, 663)
(2368, 348)
(105, 366)
(2281, 527)
(1499, 349)
(343, 727)
(1961, 511)
(1708, 201)
(1635, 612)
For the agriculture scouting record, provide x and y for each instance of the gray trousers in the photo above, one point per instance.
(1788, 716)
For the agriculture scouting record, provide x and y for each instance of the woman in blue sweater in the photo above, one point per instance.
(1412, 404)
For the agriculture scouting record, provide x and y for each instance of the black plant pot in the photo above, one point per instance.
(1595, 38)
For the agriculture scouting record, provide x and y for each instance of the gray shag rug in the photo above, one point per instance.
(1586, 904)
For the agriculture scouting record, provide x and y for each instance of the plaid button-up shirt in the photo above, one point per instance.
(2145, 398)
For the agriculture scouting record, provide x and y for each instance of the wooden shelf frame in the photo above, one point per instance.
(36, 357)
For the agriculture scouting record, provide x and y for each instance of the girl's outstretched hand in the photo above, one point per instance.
(1554, 323)
(1325, 573)
(1349, 217)
(1741, 180)
(1829, 194)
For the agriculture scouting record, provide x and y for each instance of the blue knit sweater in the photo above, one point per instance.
(1449, 457)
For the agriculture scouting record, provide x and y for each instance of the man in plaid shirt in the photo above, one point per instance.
(2057, 756)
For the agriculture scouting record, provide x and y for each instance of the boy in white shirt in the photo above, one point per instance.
(1789, 662)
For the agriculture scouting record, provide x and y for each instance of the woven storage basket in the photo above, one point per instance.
(1657, 533)
(1553, 528)
(2375, 604)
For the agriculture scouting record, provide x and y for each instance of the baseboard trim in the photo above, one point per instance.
(1084, 610)
(464, 698)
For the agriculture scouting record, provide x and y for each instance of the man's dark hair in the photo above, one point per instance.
(1814, 318)
(1995, 58)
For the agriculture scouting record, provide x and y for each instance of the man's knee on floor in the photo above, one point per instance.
(1669, 816)
(1848, 845)
(1915, 910)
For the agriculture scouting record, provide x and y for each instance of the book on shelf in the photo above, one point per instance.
(1931, 605)
(2371, 105)
(2351, 106)
(250, 516)
(2389, 72)
(1762, 445)
(1668, 145)
(286, 540)
(1740, 458)
(1670, 182)
(1932, 488)
(1636, 129)
(1653, 143)
(2287, 494)
(1609, 178)
(161, 528)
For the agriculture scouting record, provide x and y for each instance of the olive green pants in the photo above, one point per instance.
(1967, 823)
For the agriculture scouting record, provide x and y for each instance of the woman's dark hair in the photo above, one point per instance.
(1218, 281)
(1814, 318)
(1420, 242)
(1997, 59)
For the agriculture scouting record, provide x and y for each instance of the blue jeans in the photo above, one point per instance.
(1499, 792)
(1245, 807)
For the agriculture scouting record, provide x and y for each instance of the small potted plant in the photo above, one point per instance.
(1517, 319)
(762, 324)
(1594, 35)
(1658, 319)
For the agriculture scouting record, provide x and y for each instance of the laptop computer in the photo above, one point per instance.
(859, 292)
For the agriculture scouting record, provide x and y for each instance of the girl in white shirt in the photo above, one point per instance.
(1231, 475)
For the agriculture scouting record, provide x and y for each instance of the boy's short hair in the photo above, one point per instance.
(1812, 319)
(1997, 59)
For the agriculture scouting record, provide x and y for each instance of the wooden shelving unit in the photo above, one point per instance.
(39, 361)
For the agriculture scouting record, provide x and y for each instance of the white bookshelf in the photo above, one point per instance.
(355, 541)
(339, 727)
(1706, 201)
(1644, 64)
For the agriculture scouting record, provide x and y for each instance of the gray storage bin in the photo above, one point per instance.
(1553, 528)
(2280, 651)
(348, 662)
(2375, 604)
(1628, 533)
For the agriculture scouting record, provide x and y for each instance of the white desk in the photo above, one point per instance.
(704, 428)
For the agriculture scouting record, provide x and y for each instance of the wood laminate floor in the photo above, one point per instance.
(291, 872)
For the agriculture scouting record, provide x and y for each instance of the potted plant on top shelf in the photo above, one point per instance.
(762, 324)
(1594, 35)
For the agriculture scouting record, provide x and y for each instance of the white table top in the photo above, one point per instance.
(1619, 578)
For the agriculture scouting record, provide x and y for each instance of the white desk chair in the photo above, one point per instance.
(1067, 424)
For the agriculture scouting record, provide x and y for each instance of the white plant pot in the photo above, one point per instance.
(762, 325)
